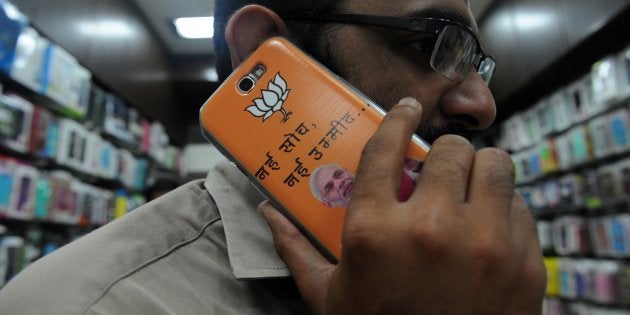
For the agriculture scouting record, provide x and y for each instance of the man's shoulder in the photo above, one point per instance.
(146, 240)
(168, 256)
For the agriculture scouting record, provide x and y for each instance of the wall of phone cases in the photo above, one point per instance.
(571, 152)
(73, 156)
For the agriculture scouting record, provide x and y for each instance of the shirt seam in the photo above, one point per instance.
(150, 261)
(236, 262)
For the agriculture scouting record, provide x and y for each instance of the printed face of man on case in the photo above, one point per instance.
(333, 185)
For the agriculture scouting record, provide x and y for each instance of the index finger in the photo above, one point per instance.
(446, 171)
(378, 175)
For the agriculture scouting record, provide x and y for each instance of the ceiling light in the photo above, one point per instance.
(195, 27)
(211, 75)
(529, 20)
(106, 28)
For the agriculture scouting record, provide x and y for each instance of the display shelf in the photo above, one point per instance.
(50, 164)
(133, 149)
(11, 85)
(571, 154)
(612, 305)
(550, 213)
(613, 106)
(576, 168)
(26, 157)
(617, 205)
(619, 104)
(596, 282)
(74, 153)
(60, 194)
(87, 127)
(139, 154)
(38, 99)
(588, 255)
(48, 224)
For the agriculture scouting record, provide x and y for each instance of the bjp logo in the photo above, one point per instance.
(272, 100)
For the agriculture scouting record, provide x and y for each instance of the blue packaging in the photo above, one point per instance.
(52, 138)
(6, 184)
(43, 193)
(12, 22)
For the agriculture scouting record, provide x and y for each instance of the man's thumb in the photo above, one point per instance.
(310, 270)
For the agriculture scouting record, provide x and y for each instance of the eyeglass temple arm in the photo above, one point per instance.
(428, 25)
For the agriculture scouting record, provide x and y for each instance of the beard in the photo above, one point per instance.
(431, 133)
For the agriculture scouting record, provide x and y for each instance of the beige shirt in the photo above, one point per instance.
(201, 249)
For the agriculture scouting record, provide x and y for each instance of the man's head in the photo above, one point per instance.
(306, 35)
(384, 63)
(332, 184)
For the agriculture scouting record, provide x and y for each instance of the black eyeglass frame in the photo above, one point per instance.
(413, 24)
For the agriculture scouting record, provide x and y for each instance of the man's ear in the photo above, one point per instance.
(249, 27)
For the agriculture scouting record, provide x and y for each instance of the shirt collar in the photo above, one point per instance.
(249, 240)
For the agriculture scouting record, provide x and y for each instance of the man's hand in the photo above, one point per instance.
(463, 243)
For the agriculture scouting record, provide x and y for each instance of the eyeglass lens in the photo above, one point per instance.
(486, 68)
(455, 53)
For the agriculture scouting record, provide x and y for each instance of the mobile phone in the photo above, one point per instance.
(297, 131)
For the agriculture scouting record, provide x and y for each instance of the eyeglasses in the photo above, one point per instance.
(456, 49)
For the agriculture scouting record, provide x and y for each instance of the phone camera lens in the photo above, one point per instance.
(246, 84)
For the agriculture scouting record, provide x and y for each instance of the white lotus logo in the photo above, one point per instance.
(272, 100)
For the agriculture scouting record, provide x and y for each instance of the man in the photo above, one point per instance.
(463, 243)
(332, 185)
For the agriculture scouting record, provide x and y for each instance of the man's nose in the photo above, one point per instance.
(470, 102)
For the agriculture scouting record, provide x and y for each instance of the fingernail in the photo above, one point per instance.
(262, 206)
(266, 210)
(269, 213)
(409, 101)
(263, 209)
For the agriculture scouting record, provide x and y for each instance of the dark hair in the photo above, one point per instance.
(306, 35)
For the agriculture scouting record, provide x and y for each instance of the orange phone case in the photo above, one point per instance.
(298, 117)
